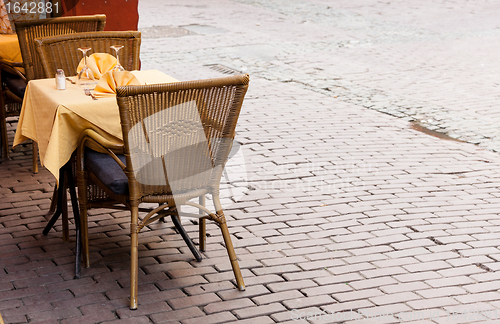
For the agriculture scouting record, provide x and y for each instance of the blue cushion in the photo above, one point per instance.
(15, 83)
(107, 170)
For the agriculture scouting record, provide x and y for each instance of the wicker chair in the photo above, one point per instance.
(27, 32)
(12, 87)
(61, 52)
(177, 138)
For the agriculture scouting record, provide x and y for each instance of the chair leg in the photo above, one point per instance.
(84, 226)
(64, 214)
(202, 227)
(3, 121)
(81, 181)
(35, 157)
(53, 203)
(134, 257)
(76, 213)
(229, 245)
(5, 141)
(232, 257)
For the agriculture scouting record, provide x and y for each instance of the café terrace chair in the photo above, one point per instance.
(14, 83)
(177, 138)
(12, 87)
(62, 52)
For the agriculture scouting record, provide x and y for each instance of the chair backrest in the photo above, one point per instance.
(61, 52)
(28, 31)
(177, 136)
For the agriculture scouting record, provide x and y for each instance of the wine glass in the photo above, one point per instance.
(85, 76)
(118, 67)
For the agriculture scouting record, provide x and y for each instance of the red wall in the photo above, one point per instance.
(120, 14)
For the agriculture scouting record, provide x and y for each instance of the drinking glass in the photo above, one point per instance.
(118, 67)
(86, 76)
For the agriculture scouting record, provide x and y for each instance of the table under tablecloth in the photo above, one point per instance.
(9, 48)
(56, 118)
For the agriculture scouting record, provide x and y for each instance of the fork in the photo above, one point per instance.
(88, 92)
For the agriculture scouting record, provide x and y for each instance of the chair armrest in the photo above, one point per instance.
(12, 63)
(10, 67)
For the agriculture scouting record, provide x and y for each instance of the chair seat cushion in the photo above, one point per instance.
(15, 83)
(107, 171)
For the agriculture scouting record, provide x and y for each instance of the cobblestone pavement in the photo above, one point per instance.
(433, 63)
(344, 214)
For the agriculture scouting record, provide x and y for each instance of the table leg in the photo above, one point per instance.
(53, 203)
(61, 192)
(61, 209)
(187, 239)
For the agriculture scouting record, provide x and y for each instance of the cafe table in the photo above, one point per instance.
(56, 118)
(9, 48)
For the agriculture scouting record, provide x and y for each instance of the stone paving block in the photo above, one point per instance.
(251, 291)
(370, 283)
(259, 310)
(465, 270)
(476, 260)
(278, 297)
(440, 292)
(308, 301)
(381, 312)
(223, 317)
(260, 319)
(374, 273)
(132, 320)
(358, 294)
(227, 305)
(176, 315)
(418, 276)
(311, 274)
(478, 297)
(56, 314)
(432, 303)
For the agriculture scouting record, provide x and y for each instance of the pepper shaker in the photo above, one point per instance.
(60, 80)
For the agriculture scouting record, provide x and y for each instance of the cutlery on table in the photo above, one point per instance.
(88, 92)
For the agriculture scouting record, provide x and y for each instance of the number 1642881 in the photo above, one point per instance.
(31, 7)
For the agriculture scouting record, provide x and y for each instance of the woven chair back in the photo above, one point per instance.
(178, 136)
(61, 52)
(28, 31)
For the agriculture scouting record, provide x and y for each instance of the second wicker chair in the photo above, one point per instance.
(61, 52)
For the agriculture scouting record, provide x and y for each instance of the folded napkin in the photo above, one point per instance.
(99, 63)
(106, 86)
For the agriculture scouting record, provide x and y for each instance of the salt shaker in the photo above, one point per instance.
(60, 80)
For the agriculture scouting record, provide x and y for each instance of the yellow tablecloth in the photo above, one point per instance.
(56, 118)
(9, 48)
